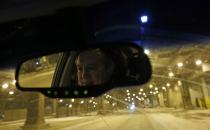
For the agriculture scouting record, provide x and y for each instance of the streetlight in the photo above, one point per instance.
(150, 86)
(144, 94)
(171, 74)
(164, 88)
(61, 100)
(5, 85)
(72, 100)
(144, 19)
(139, 93)
(146, 51)
(82, 102)
(94, 106)
(134, 94)
(168, 85)
(90, 101)
(128, 94)
(11, 92)
(156, 88)
(198, 62)
(180, 64)
(141, 90)
(127, 91)
(70, 105)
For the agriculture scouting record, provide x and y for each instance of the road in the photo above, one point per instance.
(37, 80)
(142, 120)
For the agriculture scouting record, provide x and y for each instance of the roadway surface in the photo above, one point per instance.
(142, 120)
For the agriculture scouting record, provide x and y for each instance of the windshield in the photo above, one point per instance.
(176, 98)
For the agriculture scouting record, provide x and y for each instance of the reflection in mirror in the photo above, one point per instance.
(38, 72)
(94, 67)
(116, 66)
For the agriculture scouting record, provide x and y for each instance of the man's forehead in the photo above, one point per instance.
(89, 57)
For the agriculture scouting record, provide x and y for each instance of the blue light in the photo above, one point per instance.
(144, 19)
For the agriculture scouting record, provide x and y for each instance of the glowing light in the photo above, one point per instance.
(179, 83)
(171, 74)
(11, 92)
(90, 101)
(146, 51)
(127, 91)
(156, 88)
(82, 102)
(150, 86)
(139, 93)
(164, 88)
(132, 107)
(141, 90)
(5, 85)
(70, 106)
(134, 94)
(128, 94)
(13, 82)
(72, 100)
(144, 19)
(198, 62)
(180, 64)
(168, 84)
(61, 100)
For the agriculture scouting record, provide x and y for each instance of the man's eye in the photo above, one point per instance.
(79, 68)
(91, 68)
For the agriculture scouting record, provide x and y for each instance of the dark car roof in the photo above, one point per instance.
(28, 30)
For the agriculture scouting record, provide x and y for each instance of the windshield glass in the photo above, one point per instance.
(176, 98)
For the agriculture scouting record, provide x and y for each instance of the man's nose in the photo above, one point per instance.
(84, 73)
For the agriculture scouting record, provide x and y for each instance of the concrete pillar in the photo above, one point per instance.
(186, 96)
(54, 106)
(206, 93)
(35, 112)
(161, 99)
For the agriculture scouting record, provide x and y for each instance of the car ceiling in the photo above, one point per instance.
(163, 16)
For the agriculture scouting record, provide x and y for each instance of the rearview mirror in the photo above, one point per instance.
(84, 72)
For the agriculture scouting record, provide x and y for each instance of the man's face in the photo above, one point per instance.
(90, 68)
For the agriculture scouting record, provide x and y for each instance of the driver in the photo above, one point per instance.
(94, 67)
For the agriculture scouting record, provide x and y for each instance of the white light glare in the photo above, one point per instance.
(198, 62)
(180, 64)
(171, 74)
(150, 86)
(144, 19)
(132, 107)
(11, 92)
(146, 51)
(5, 85)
